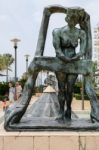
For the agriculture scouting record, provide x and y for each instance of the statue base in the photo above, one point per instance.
(52, 124)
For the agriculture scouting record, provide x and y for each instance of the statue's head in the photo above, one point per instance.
(74, 15)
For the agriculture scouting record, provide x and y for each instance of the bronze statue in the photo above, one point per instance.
(66, 65)
(65, 41)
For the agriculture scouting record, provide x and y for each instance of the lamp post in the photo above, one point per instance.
(15, 41)
(7, 74)
(27, 56)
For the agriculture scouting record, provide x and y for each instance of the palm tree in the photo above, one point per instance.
(2, 64)
(5, 61)
(8, 59)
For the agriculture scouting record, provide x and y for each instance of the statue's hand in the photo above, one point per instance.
(65, 59)
(77, 57)
(74, 58)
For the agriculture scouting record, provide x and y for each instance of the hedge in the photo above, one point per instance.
(78, 96)
(77, 87)
(4, 88)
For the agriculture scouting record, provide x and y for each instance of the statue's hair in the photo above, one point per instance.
(77, 12)
(75, 8)
(83, 19)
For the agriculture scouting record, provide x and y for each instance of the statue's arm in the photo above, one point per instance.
(57, 46)
(82, 51)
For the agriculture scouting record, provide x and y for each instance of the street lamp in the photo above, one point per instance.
(15, 41)
(27, 56)
(7, 74)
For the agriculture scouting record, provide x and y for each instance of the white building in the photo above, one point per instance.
(96, 45)
(96, 50)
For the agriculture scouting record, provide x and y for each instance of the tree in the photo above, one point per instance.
(5, 61)
(2, 64)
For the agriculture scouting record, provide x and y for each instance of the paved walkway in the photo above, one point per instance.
(77, 104)
(1, 116)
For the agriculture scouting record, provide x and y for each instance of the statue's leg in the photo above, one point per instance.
(61, 77)
(15, 112)
(69, 95)
(93, 99)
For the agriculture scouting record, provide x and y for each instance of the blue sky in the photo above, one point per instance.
(22, 18)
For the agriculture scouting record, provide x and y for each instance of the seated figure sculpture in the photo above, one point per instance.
(65, 41)
(66, 65)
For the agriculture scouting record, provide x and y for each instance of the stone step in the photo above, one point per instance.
(49, 140)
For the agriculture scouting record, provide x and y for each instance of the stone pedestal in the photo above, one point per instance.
(48, 140)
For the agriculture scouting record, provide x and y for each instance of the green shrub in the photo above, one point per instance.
(86, 97)
(38, 89)
(3, 97)
(4, 88)
(77, 87)
(77, 96)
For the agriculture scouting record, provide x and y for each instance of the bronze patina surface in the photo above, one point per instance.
(66, 65)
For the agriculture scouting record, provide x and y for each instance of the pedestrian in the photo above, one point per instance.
(11, 92)
(18, 90)
(4, 104)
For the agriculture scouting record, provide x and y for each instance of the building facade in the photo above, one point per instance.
(96, 52)
(96, 45)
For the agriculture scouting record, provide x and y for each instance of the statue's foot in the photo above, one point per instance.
(94, 118)
(60, 117)
(94, 115)
(13, 115)
(68, 114)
